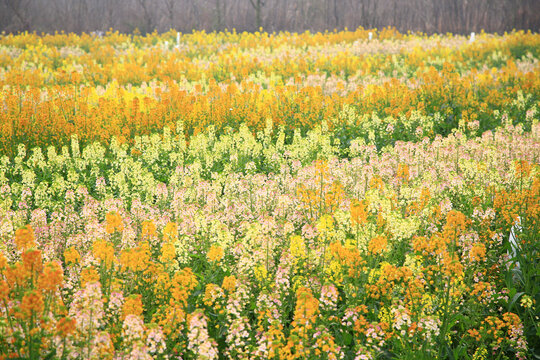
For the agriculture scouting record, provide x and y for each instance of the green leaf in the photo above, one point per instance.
(514, 299)
(347, 338)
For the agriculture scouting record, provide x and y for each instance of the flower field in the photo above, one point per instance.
(270, 196)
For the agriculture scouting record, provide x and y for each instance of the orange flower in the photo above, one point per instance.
(377, 245)
(24, 238)
(32, 302)
(89, 275)
(168, 253)
(229, 283)
(478, 252)
(17, 275)
(114, 222)
(148, 229)
(136, 259)
(358, 212)
(3, 261)
(307, 307)
(376, 183)
(71, 256)
(51, 277)
(32, 260)
(215, 254)
(184, 281)
(403, 172)
(4, 290)
(103, 251)
(65, 326)
(170, 232)
(132, 306)
(474, 334)
(523, 168)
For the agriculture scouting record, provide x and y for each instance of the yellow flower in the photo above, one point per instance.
(261, 273)
(326, 223)
(526, 301)
(480, 354)
(297, 247)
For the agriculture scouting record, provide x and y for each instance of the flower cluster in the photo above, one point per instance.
(267, 218)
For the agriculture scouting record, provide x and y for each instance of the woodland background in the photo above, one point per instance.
(429, 16)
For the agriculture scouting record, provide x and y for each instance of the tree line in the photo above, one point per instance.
(429, 16)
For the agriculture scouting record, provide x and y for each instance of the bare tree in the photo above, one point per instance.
(170, 12)
(19, 10)
(458, 16)
(219, 14)
(148, 21)
(258, 6)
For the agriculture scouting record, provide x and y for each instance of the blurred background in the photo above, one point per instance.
(429, 16)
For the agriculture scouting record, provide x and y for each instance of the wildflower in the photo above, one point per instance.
(114, 222)
(329, 297)
(136, 259)
(358, 212)
(148, 229)
(89, 275)
(522, 168)
(212, 294)
(32, 261)
(403, 172)
(51, 277)
(478, 252)
(325, 224)
(199, 342)
(132, 306)
(24, 238)
(32, 303)
(215, 254)
(229, 283)
(65, 326)
(155, 340)
(170, 232)
(103, 251)
(526, 301)
(3, 261)
(480, 353)
(4, 290)
(168, 253)
(377, 245)
(132, 329)
(297, 247)
(71, 256)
